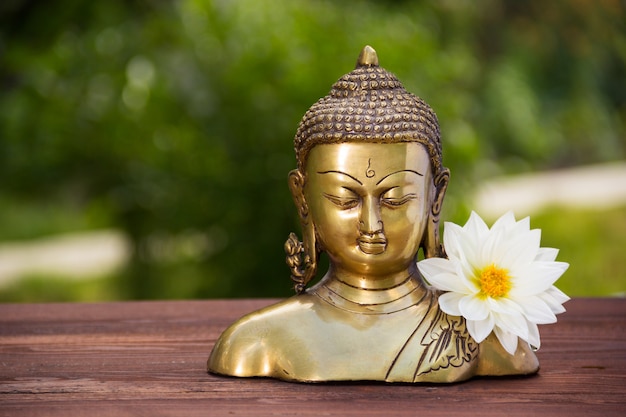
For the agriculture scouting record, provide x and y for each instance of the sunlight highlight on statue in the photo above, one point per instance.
(369, 188)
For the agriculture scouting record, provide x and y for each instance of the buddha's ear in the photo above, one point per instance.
(301, 256)
(296, 185)
(431, 242)
(440, 183)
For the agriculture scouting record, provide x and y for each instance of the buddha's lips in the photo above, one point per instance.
(372, 246)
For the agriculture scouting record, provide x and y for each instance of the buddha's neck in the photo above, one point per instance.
(373, 282)
(373, 294)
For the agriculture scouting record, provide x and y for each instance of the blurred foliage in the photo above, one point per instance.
(59, 289)
(173, 121)
(593, 243)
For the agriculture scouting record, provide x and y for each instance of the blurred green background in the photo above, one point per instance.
(169, 124)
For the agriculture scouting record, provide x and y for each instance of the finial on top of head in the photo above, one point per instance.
(367, 58)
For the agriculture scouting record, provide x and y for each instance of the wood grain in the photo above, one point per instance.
(148, 359)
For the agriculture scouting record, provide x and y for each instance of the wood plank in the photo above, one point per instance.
(148, 359)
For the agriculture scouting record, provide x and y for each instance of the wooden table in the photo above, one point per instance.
(148, 359)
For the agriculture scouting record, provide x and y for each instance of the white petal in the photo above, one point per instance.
(449, 303)
(448, 282)
(472, 308)
(521, 250)
(547, 254)
(466, 246)
(507, 339)
(474, 232)
(466, 274)
(506, 220)
(433, 266)
(554, 305)
(554, 297)
(536, 310)
(476, 225)
(558, 295)
(533, 336)
(451, 240)
(519, 228)
(504, 305)
(537, 277)
(512, 323)
(490, 248)
(480, 329)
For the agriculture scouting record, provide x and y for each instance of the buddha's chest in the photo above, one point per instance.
(396, 348)
(363, 349)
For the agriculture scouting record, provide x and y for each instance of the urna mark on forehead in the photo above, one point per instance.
(369, 105)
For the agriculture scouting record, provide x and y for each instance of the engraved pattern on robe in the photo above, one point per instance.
(439, 348)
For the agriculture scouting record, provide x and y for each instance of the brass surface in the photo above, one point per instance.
(370, 203)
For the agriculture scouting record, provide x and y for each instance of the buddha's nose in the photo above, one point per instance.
(370, 221)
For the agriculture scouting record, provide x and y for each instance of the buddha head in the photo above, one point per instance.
(370, 183)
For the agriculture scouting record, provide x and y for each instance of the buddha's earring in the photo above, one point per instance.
(301, 256)
(301, 259)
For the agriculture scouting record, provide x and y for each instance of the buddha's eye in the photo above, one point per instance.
(343, 202)
(394, 200)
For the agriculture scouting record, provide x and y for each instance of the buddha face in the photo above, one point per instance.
(369, 203)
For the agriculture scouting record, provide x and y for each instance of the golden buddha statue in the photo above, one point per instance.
(369, 189)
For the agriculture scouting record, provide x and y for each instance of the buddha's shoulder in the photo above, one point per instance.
(256, 339)
(273, 316)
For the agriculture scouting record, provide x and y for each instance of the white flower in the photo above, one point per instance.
(499, 279)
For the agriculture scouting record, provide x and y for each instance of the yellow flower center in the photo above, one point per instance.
(494, 282)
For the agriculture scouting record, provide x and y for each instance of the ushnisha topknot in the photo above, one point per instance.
(369, 105)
